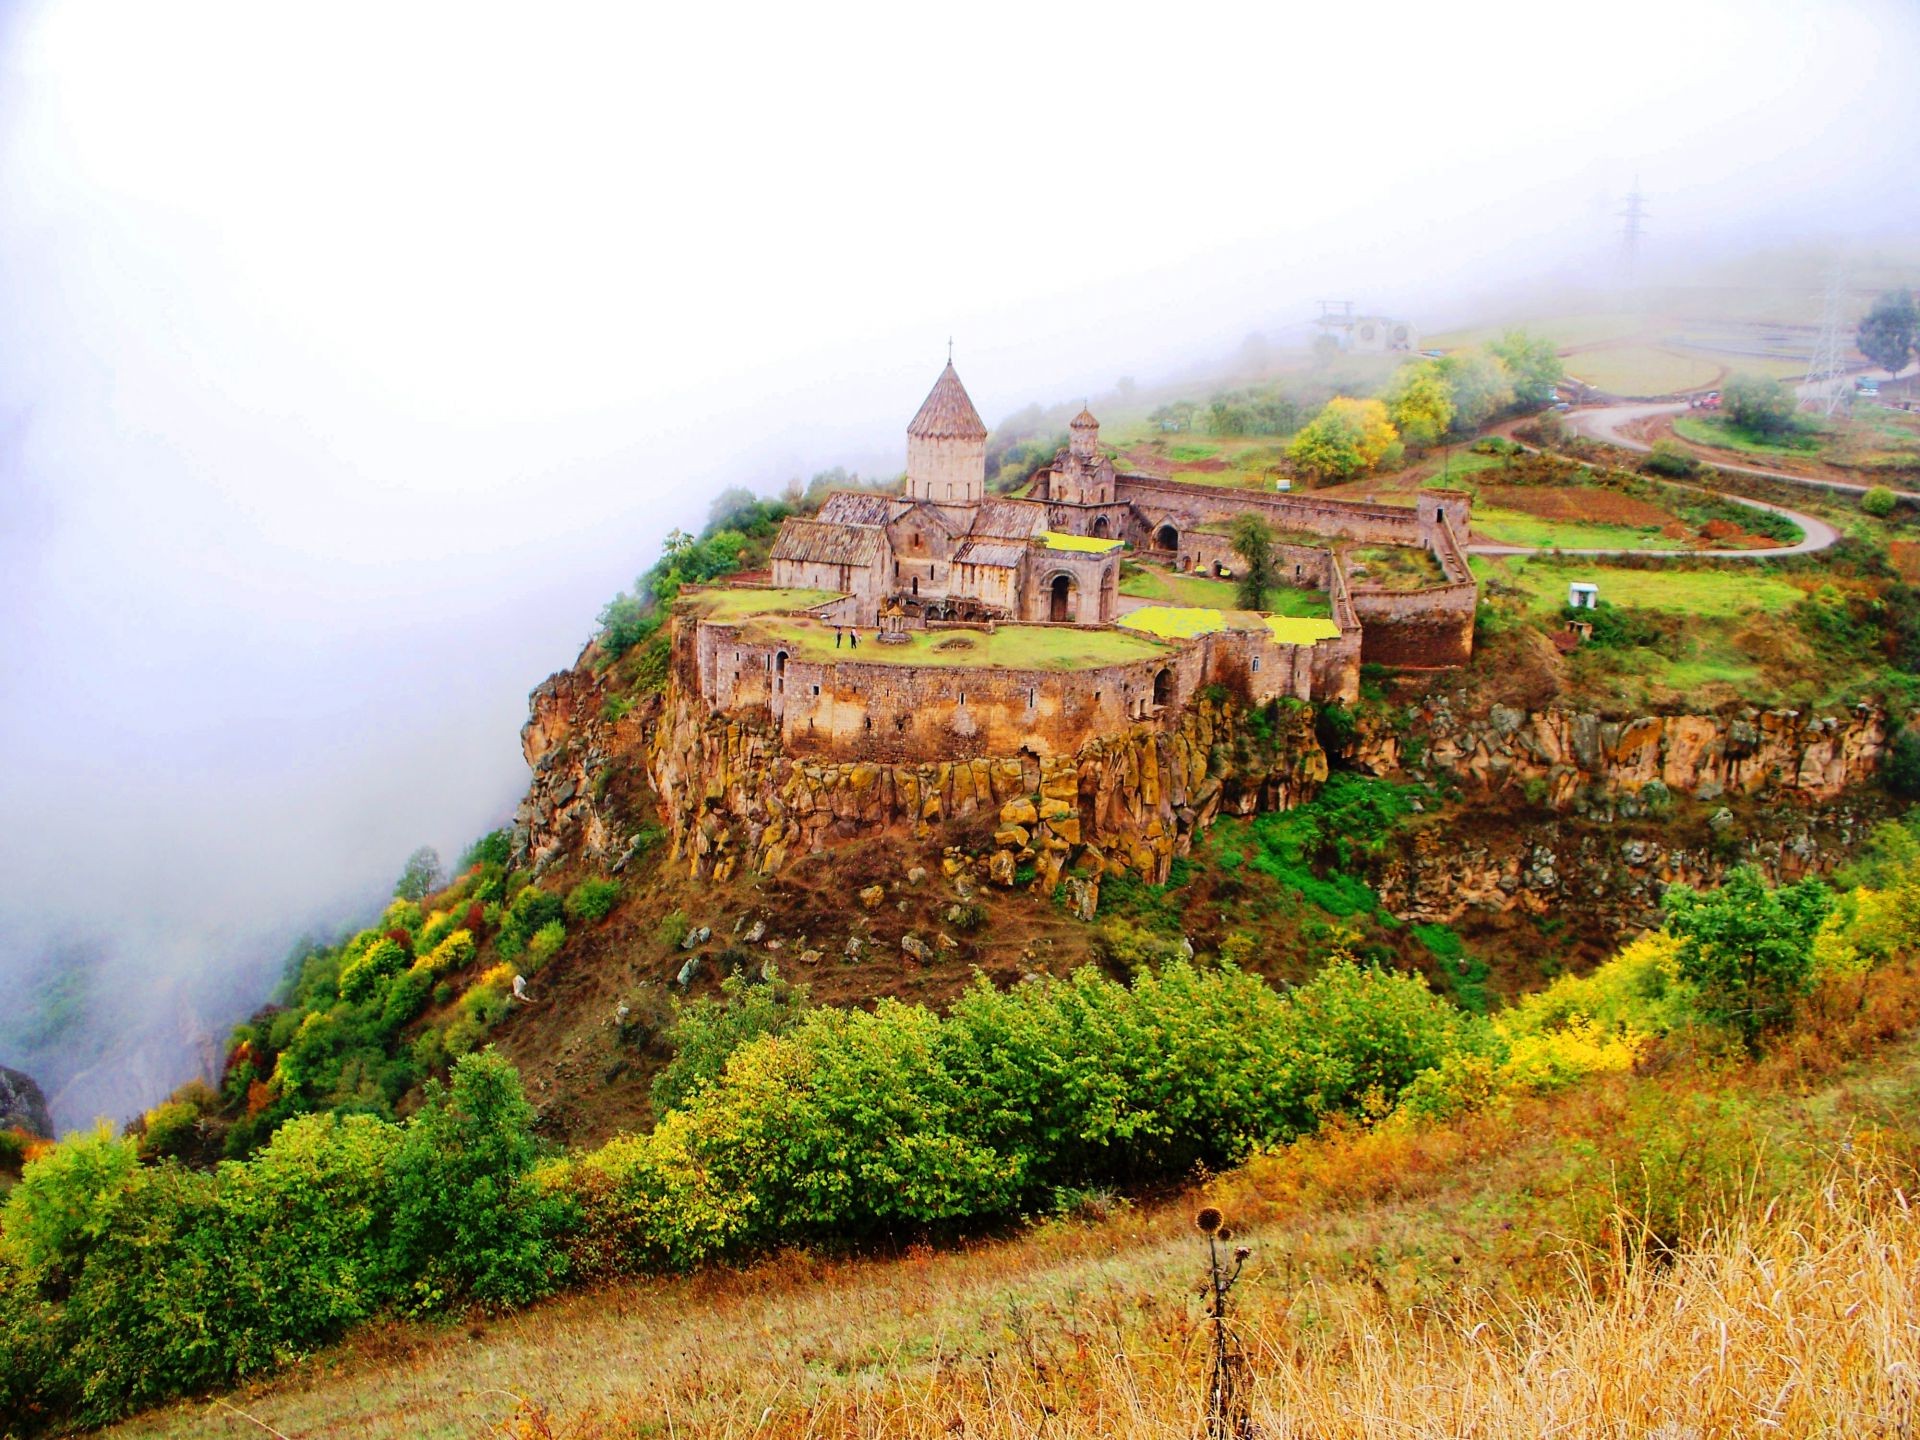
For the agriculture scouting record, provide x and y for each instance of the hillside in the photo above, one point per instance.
(1690, 1249)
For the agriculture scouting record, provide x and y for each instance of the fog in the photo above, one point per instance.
(354, 355)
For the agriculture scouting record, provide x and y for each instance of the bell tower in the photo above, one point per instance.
(947, 446)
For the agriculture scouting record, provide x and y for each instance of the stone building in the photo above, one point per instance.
(945, 550)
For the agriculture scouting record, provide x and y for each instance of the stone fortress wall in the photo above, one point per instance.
(1428, 628)
(853, 709)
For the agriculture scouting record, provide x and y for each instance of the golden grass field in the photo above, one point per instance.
(1486, 1278)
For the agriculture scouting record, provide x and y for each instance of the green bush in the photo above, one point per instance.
(591, 899)
(543, 945)
(361, 977)
(1879, 502)
(704, 1032)
(465, 1224)
(407, 996)
(1900, 768)
(1668, 457)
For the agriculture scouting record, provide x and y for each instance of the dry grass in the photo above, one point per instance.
(1475, 1279)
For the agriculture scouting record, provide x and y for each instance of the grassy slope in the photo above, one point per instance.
(1471, 1278)
(1017, 647)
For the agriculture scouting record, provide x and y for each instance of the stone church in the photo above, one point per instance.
(946, 550)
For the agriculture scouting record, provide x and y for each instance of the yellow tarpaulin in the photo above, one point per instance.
(1301, 630)
(1183, 622)
(1174, 622)
(1084, 544)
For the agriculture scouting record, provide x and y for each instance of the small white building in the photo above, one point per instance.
(1582, 595)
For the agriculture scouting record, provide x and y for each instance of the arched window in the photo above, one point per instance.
(1163, 688)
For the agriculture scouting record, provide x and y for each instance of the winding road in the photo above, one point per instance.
(1608, 425)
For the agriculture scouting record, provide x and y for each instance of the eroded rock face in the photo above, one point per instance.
(22, 1106)
(1576, 762)
(1616, 871)
(1134, 800)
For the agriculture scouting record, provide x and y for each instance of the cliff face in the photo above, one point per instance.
(1575, 762)
(1561, 808)
(1131, 800)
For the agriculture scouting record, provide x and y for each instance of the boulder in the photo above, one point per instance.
(22, 1105)
(872, 896)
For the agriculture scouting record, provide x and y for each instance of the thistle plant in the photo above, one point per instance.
(1228, 1415)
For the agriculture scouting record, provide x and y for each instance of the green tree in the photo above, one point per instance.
(1879, 502)
(1420, 403)
(1900, 770)
(421, 875)
(1747, 949)
(1346, 437)
(705, 1032)
(1253, 543)
(1533, 363)
(1890, 333)
(1480, 384)
(465, 1220)
(1759, 403)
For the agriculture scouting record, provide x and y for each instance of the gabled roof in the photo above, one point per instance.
(858, 507)
(1000, 554)
(816, 542)
(931, 516)
(947, 412)
(1010, 519)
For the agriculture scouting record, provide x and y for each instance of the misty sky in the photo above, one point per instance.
(355, 354)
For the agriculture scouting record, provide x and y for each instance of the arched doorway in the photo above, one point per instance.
(1163, 688)
(1060, 598)
(780, 673)
(1101, 529)
(1166, 537)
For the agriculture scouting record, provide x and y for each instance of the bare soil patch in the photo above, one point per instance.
(1577, 503)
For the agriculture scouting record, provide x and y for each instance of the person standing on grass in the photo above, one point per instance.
(836, 637)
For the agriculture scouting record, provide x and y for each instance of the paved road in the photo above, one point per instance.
(1609, 424)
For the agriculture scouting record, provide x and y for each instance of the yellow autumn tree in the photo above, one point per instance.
(1347, 437)
(1420, 402)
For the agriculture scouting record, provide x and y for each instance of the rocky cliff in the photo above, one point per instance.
(731, 799)
(1558, 807)
(1575, 762)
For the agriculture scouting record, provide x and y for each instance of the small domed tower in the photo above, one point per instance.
(947, 446)
(1085, 443)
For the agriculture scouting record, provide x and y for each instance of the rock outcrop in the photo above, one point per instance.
(1575, 762)
(22, 1106)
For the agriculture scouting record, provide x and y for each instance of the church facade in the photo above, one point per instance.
(944, 549)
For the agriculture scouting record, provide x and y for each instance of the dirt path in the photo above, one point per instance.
(1611, 424)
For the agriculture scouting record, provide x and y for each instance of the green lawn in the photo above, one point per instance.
(723, 603)
(1721, 433)
(1151, 582)
(1514, 527)
(1394, 567)
(1708, 593)
(1010, 647)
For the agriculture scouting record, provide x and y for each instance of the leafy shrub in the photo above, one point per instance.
(592, 899)
(1670, 458)
(493, 848)
(705, 1032)
(1900, 768)
(544, 944)
(362, 977)
(967, 917)
(1879, 502)
(465, 1223)
(1747, 949)
(172, 1126)
(453, 953)
(406, 997)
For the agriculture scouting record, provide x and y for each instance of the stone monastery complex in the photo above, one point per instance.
(990, 625)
